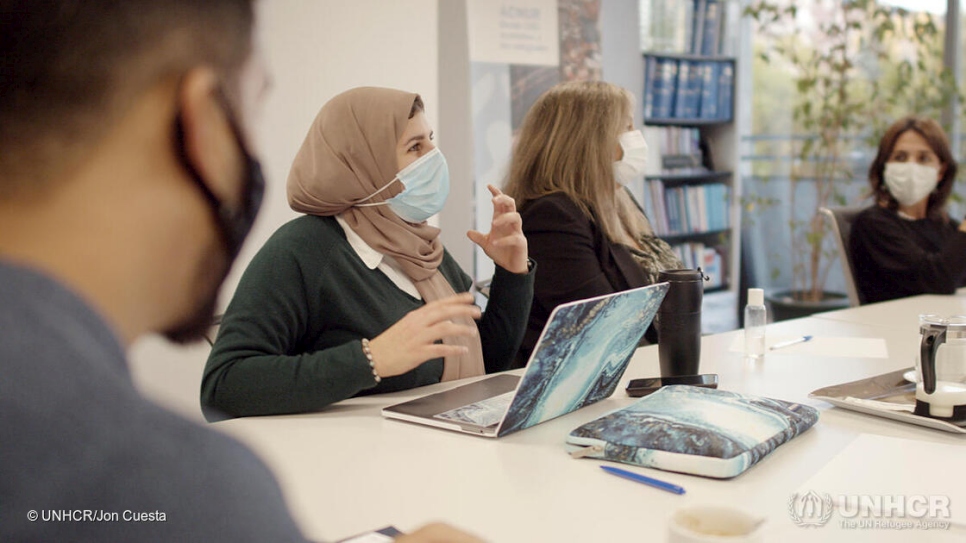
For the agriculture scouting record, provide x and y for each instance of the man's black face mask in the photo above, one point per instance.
(234, 225)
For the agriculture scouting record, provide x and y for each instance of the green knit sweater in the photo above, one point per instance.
(289, 341)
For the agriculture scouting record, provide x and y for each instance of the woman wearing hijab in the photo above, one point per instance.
(906, 244)
(576, 151)
(359, 296)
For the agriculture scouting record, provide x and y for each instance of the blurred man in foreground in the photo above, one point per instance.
(127, 187)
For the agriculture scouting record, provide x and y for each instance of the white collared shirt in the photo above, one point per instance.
(373, 259)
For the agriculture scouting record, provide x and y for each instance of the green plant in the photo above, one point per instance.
(849, 84)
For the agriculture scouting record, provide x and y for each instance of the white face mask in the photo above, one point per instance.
(631, 165)
(909, 182)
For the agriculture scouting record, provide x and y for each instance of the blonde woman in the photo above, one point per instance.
(576, 150)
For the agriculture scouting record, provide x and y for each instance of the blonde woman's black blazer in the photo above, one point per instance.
(576, 261)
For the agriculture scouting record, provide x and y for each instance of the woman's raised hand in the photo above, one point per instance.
(505, 243)
(412, 340)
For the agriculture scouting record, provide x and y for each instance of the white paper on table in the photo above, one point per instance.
(879, 466)
(372, 537)
(848, 347)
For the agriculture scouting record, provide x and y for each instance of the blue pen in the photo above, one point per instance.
(643, 479)
(791, 342)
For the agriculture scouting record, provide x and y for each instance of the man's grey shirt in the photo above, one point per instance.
(83, 454)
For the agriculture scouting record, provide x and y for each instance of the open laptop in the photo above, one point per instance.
(579, 359)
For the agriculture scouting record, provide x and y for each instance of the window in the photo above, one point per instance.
(887, 60)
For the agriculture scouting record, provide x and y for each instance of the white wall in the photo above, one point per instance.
(623, 63)
(314, 50)
(317, 49)
(456, 125)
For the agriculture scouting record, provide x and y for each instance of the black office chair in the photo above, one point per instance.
(840, 220)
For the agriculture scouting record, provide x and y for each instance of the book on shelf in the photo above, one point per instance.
(715, 207)
(713, 267)
(660, 87)
(697, 26)
(694, 90)
(685, 164)
(711, 28)
(650, 78)
(668, 76)
(687, 209)
(726, 85)
(709, 259)
(673, 212)
(666, 27)
(722, 203)
(688, 92)
(694, 213)
(700, 202)
(710, 81)
(684, 90)
(673, 150)
(685, 213)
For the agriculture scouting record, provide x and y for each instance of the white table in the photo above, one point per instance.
(902, 313)
(348, 470)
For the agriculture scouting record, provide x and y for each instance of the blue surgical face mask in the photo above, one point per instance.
(426, 183)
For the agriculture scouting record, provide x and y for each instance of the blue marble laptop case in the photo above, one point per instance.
(700, 431)
(582, 354)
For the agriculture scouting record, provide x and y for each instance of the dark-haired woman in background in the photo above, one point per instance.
(906, 244)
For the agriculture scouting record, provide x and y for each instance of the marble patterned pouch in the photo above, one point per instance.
(700, 431)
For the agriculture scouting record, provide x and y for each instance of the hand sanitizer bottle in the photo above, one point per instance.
(755, 320)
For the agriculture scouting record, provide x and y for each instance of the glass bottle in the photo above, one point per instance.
(756, 318)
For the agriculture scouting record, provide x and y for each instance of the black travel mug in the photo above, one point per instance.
(679, 323)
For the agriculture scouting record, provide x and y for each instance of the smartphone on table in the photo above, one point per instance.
(642, 387)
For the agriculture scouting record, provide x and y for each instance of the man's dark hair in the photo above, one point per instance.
(69, 68)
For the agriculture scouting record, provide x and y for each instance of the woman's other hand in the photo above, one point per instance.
(412, 340)
(505, 244)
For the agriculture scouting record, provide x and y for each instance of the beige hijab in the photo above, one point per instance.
(349, 154)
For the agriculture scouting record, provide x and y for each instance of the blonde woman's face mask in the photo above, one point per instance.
(633, 157)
